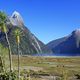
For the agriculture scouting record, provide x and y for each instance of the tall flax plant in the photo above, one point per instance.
(18, 35)
(3, 28)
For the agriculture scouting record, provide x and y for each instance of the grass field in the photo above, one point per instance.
(49, 68)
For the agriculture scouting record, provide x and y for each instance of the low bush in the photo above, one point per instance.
(8, 76)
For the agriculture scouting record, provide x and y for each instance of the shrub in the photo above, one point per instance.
(7, 76)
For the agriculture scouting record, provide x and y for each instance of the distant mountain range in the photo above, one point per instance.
(30, 44)
(69, 45)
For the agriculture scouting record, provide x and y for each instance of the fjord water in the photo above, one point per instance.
(58, 54)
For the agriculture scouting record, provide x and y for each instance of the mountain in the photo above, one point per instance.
(16, 19)
(66, 46)
(30, 44)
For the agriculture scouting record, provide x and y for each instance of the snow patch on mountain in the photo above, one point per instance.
(16, 19)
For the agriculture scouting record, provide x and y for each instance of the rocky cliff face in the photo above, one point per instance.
(69, 45)
(30, 44)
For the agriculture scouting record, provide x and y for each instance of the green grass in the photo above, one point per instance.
(52, 66)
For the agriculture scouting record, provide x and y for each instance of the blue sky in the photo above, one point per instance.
(47, 19)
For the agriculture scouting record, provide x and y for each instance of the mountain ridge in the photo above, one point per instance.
(30, 44)
(68, 45)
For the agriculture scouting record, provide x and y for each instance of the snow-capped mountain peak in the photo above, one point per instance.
(16, 19)
(15, 12)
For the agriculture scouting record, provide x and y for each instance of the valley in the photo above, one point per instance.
(48, 68)
(21, 53)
